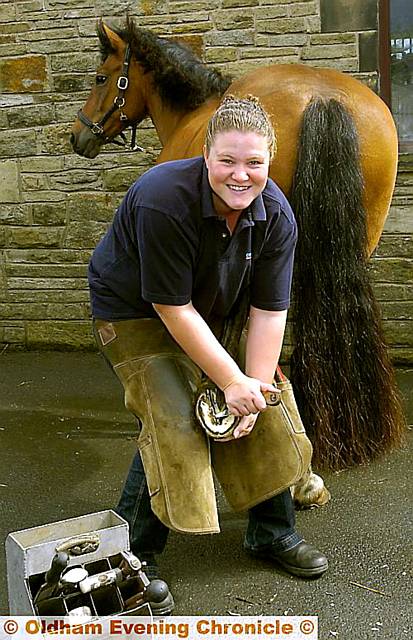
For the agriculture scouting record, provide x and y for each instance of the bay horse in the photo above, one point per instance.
(336, 162)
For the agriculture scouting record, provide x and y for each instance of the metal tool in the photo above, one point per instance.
(51, 585)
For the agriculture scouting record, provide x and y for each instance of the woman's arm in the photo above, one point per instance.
(243, 393)
(264, 341)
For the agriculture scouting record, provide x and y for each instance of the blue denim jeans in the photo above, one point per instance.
(270, 523)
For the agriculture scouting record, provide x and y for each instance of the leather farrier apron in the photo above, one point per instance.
(160, 384)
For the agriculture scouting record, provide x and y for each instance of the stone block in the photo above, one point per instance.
(221, 54)
(11, 100)
(193, 5)
(46, 283)
(395, 270)
(29, 7)
(14, 27)
(84, 235)
(389, 291)
(269, 53)
(235, 4)
(49, 214)
(191, 28)
(96, 207)
(14, 214)
(400, 219)
(21, 143)
(228, 38)
(47, 256)
(6, 38)
(44, 311)
(398, 332)
(3, 239)
(323, 52)
(9, 182)
(303, 9)
(75, 180)
(34, 182)
(51, 34)
(268, 13)
(54, 270)
(348, 65)
(43, 195)
(333, 38)
(119, 179)
(54, 139)
(282, 40)
(49, 295)
(74, 62)
(7, 12)
(396, 310)
(348, 15)
(234, 19)
(34, 237)
(401, 356)
(281, 25)
(41, 164)
(60, 46)
(18, 49)
(394, 245)
(23, 74)
(60, 334)
(32, 116)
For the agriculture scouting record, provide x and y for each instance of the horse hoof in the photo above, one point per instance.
(311, 494)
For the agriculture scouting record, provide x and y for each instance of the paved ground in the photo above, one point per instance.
(66, 444)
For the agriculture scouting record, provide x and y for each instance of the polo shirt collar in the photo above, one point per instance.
(256, 207)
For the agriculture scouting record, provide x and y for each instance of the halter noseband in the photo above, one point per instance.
(118, 103)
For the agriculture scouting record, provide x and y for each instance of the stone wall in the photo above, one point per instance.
(54, 205)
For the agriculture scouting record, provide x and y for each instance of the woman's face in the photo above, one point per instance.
(238, 164)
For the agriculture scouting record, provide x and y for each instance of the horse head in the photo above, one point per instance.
(116, 101)
(142, 75)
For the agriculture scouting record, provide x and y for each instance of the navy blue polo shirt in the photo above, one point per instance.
(167, 245)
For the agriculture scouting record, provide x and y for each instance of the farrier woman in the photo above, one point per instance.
(189, 239)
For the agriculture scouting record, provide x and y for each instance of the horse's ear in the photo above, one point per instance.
(115, 40)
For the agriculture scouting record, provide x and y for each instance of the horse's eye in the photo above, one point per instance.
(100, 79)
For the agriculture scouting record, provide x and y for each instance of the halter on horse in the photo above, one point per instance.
(97, 128)
(340, 185)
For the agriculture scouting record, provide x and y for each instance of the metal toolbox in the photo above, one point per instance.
(105, 539)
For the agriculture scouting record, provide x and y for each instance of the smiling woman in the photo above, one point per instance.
(167, 281)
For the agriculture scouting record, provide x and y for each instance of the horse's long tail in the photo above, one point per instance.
(341, 371)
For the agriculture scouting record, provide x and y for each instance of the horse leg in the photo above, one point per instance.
(310, 491)
(341, 371)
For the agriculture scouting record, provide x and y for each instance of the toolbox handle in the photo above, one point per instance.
(79, 545)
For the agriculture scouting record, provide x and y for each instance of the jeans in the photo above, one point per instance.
(270, 523)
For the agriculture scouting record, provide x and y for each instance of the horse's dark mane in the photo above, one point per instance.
(180, 78)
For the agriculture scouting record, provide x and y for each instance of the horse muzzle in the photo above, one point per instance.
(85, 143)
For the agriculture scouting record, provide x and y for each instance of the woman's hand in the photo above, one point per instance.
(244, 395)
(243, 428)
(245, 425)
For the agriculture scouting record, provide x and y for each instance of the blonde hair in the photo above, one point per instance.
(241, 114)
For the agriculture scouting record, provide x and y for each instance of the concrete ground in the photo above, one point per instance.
(66, 443)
